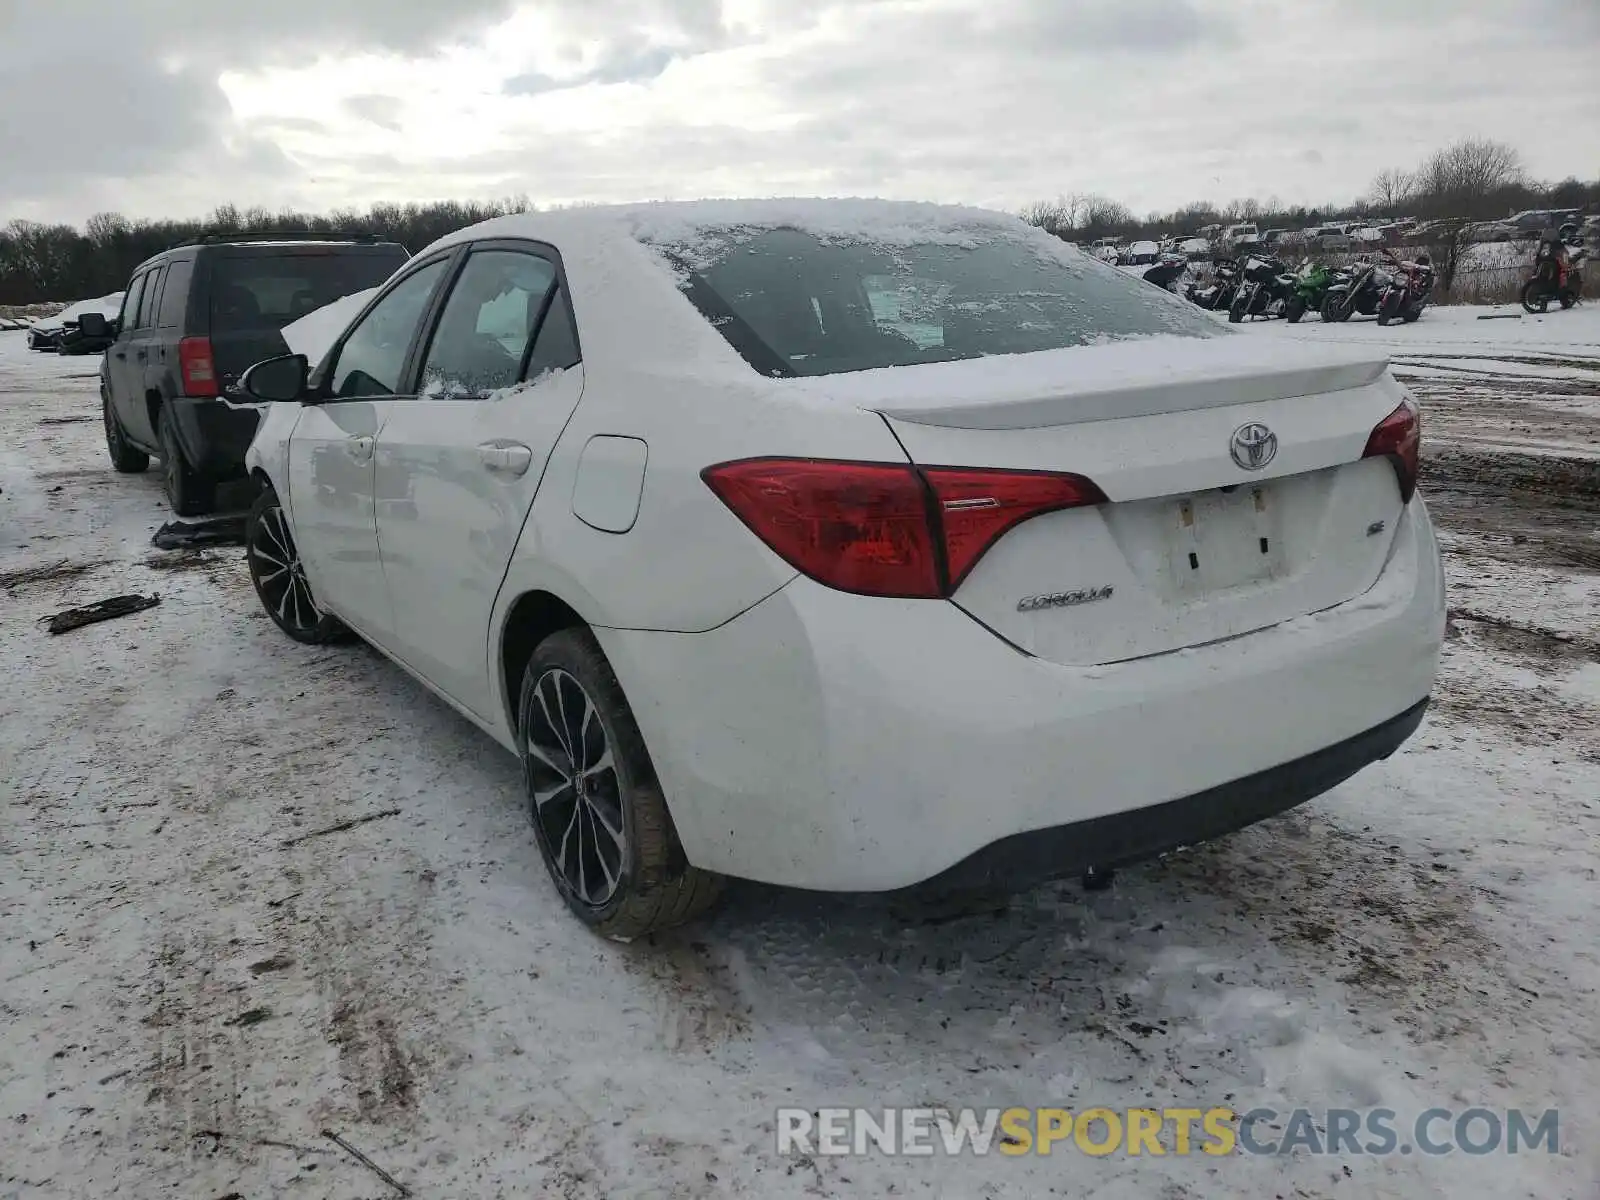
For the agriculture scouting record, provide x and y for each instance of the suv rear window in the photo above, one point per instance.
(268, 291)
(792, 303)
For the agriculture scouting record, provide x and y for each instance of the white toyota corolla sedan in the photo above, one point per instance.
(852, 545)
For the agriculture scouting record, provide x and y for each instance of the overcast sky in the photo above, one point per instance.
(170, 107)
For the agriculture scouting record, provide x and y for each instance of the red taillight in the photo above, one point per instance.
(858, 527)
(882, 529)
(977, 507)
(1398, 437)
(198, 367)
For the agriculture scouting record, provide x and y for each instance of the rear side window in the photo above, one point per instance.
(268, 291)
(482, 338)
(151, 297)
(175, 297)
(556, 347)
(792, 303)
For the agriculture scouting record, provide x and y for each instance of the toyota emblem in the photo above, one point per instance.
(1253, 446)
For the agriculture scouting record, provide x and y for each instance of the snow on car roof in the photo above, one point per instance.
(683, 223)
(110, 305)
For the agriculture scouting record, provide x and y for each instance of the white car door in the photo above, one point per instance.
(457, 466)
(331, 452)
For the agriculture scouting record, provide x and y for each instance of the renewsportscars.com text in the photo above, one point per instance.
(1214, 1131)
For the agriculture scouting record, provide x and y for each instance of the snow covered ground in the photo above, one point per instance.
(196, 981)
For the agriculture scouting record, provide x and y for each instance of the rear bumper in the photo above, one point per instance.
(1142, 833)
(847, 743)
(213, 435)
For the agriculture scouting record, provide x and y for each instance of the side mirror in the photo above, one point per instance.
(281, 379)
(94, 325)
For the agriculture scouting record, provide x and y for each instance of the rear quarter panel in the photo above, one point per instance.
(655, 370)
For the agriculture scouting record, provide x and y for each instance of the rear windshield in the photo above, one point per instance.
(792, 303)
(269, 291)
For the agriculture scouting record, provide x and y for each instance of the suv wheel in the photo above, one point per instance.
(598, 813)
(280, 577)
(189, 492)
(129, 460)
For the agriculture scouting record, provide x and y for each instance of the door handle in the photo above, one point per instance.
(359, 448)
(122, 354)
(512, 458)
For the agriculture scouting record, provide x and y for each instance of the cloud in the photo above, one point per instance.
(1155, 102)
(384, 111)
(96, 93)
(619, 64)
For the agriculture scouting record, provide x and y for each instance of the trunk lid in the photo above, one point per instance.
(1195, 544)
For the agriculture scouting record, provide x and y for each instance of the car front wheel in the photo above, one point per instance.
(280, 578)
(127, 459)
(598, 814)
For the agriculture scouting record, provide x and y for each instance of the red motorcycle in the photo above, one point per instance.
(1407, 290)
(1555, 277)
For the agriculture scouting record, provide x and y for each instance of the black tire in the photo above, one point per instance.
(1236, 310)
(1534, 297)
(190, 493)
(1294, 309)
(645, 883)
(280, 580)
(126, 458)
(1568, 299)
(1335, 308)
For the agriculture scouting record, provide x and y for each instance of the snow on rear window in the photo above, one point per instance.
(847, 287)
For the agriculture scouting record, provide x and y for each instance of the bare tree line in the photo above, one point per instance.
(59, 262)
(1473, 180)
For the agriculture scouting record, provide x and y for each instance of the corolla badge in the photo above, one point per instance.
(1253, 446)
(1064, 599)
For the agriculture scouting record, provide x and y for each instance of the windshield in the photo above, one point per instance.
(269, 291)
(792, 303)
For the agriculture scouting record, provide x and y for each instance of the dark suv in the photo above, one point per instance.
(193, 319)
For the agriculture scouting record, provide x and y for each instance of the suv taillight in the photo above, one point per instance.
(197, 366)
(885, 529)
(1398, 437)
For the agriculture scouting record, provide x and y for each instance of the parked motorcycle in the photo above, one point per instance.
(1357, 292)
(1406, 294)
(1220, 291)
(1265, 290)
(1168, 270)
(1554, 280)
(1311, 284)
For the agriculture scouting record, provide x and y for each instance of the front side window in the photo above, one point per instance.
(482, 339)
(374, 353)
(130, 304)
(794, 303)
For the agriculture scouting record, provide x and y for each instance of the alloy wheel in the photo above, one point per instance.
(575, 790)
(279, 574)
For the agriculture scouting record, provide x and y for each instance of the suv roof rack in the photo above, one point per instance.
(224, 237)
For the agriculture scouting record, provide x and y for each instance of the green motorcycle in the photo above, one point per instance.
(1311, 284)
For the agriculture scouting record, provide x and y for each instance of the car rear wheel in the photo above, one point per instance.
(280, 578)
(127, 459)
(190, 493)
(598, 814)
